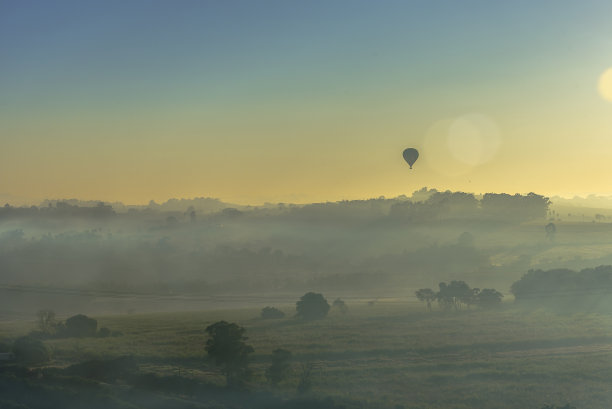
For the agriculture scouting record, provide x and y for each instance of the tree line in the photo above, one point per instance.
(589, 287)
(424, 205)
(457, 295)
(460, 205)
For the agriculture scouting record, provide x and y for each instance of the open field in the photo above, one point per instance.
(386, 355)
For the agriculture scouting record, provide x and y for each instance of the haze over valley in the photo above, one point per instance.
(305, 205)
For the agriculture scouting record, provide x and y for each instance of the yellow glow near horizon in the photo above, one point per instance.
(605, 84)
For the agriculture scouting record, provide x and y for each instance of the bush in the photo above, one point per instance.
(30, 350)
(104, 332)
(312, 306)
(80, 326)
(271, 313)
(46, 321)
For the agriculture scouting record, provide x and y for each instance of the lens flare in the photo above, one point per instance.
(605, 85)
(455, 146)
(473, 139)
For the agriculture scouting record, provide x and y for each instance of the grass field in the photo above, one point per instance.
(388, 355)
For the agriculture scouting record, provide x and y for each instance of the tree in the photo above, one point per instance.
(227, 348)
(471, 297)
(426, 295)
(46, 321)
(81, 326)
(488, 298)
(280, 366)
(455, 294)
(312, 306)
(271, 313)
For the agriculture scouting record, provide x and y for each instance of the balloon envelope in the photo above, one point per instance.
(410, 156)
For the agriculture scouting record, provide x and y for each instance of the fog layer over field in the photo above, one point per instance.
(193, 252)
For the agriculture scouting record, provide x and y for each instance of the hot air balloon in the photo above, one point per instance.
(410, 156)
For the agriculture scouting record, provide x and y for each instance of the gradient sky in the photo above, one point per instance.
(254, 101)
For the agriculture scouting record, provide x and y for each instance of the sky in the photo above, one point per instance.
(291, 101)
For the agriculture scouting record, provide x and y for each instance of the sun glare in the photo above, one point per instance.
(605, 85)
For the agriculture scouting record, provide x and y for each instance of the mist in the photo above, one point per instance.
(373, 205)
(378, 247)
(424, 264)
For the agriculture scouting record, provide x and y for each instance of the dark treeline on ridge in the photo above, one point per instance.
(424, 205)
(205, 245)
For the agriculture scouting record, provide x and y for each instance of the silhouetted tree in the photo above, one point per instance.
(454, 295)
(46, 321)
(312, 306)
(488, 298)
(517, 207)
(271, 313)
(426, 295)
(227, 348)
(80, 326)
(280, 366)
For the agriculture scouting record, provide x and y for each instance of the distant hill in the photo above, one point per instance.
(199, 204)
(591, 201)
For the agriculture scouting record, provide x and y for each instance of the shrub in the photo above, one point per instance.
(46, 321)
(80, 326)
(271, 313)
(104, 332)
(312, 306)
(30, 350)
